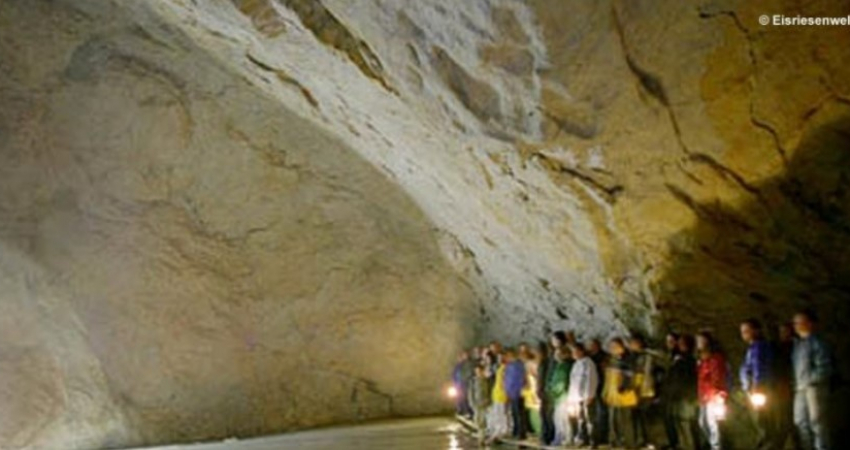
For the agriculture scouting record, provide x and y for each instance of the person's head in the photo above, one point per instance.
(706, 344)
(671, 341)
(480, 371)
(805, 322)
(751, 330)
(571, 337)
(786, 333)
(509, 355)
(496, 347)
(542, 350)
(463, 355)
(617, 347)
(578, 351)
(558, 339)
(475, 353)
(637, 343)
(686, 344)
(523, 352)
(594, 346)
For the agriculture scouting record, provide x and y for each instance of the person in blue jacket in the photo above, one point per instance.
(514, 383)
(757, 384)
(813, 370)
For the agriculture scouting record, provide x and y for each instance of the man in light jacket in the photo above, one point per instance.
(812, 374)
(584, 383)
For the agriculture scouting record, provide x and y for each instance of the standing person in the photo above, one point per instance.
(480, 399)
(547, 427)
(557, 388)
(498, 417)
(645, 371)
(529, 393)
(514, 383)
(680, 397)
(584, 383)
(495, 349)
(712, 387)
(620, 394)
(812, 375)
(547, 409)
(669, 401)
(756, 382)
(600, 409)
(783, 370)
(461, 375)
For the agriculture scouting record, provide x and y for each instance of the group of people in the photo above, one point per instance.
(571, 393)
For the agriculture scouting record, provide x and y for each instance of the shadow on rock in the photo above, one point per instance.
(786, 247)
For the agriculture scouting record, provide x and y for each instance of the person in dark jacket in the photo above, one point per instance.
(680, 396)
(813, 372)
(600, 409)
(514, 383)
(783, 371)
(757, 384)
(668, 403)
(547, 409)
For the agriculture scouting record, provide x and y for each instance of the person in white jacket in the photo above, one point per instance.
(584, 381)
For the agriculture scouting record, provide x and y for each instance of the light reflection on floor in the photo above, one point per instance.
(413, 434)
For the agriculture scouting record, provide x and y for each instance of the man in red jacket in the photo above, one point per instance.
(712, 388)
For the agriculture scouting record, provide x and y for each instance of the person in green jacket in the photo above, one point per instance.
(557, 385)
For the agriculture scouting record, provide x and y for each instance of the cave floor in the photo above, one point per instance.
(419, 434)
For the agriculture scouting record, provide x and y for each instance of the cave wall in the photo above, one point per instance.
(216, 215)
(184, 259)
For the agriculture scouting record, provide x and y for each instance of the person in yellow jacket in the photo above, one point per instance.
(620, 395)
(498, 419)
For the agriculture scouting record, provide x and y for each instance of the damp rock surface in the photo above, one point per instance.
(232, 218)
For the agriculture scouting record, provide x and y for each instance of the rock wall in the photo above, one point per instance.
(183, 258)
(239, 217)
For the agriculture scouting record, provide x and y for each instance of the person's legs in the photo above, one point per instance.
(784, 417)
(713, 428)
(614, 434)
(561, 419)
(687, 431)
(585, 424)
(515, 413)
(601, 425)
(816, 399)
(671, 420)
(480, 420)
(639, 424)
(764, 428)
(520, 416)
(628, 428)
(801, 420)
(547, 425)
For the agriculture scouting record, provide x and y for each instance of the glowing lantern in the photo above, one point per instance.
(758, 399)
(452, 392)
